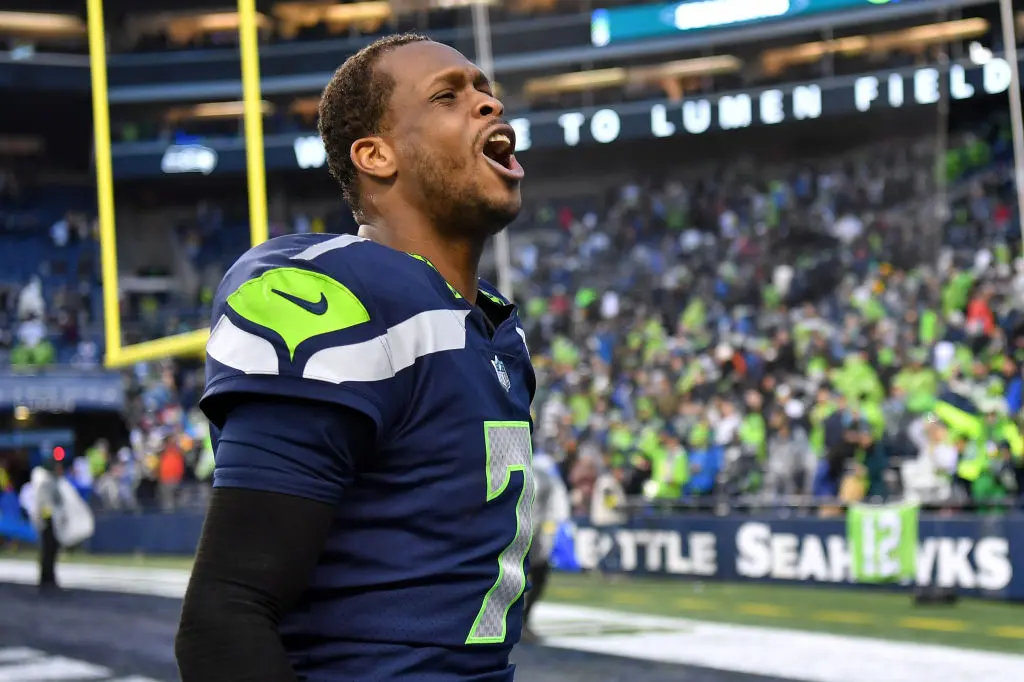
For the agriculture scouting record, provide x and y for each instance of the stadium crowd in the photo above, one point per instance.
(769, 335)
(726, 357)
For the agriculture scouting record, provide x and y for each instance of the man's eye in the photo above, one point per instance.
(446, 95)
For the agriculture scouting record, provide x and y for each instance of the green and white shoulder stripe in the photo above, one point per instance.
(290, 305)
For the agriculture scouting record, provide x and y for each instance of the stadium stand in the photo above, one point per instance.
(694, 338)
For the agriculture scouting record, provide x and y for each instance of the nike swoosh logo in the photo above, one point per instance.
(315, 307)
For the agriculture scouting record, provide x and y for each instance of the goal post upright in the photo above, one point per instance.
(104, 178)
(252, 110)
(190, 343)
(1009, 27)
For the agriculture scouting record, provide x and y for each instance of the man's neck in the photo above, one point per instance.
(457, 260)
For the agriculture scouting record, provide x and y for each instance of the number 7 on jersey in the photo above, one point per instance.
(509, 449)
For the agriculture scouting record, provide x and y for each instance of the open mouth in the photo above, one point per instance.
(499, 149)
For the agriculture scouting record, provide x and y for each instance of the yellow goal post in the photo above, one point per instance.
(190, 343)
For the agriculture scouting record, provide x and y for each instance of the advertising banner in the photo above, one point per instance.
(62, 391)
(972, 554)
(880, 91)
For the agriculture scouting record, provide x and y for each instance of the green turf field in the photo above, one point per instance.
(144, 561)
(970, 623)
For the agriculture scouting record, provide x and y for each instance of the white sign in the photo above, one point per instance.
(805, 102)
(662, 550)
(947, 562)
(708, 13)
(695, 116)
(925, 86)
(189, 158)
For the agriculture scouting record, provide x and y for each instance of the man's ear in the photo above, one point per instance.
(373, 156)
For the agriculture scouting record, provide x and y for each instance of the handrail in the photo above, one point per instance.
(797, 503)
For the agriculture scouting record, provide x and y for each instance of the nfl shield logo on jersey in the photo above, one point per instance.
(499, 369)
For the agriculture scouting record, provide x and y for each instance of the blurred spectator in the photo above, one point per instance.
(30, 301)
(60, 233)
(32, 348)
(98, 458)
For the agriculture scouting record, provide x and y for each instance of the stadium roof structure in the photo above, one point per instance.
(125, 6)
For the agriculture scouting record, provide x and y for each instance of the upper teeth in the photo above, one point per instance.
(499, 137)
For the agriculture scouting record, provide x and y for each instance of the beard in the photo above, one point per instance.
(456, 196)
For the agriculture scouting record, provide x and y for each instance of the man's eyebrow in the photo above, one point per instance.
(459, 76)
(480, 80)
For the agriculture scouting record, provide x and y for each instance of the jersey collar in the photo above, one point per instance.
(494, 305)
(423, 259)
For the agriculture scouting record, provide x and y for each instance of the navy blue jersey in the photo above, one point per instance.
(423, 574)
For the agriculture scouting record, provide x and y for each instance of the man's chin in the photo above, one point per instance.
(502, 215)
(495, 213)
(511, 203)
(487, 215)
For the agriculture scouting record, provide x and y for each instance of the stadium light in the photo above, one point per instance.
(40, 24)
(776, 60)
(210, 110)
(596, 79)
(183, 26)
(409, 6)
(687, 68)
(578, 81)
(294, 16)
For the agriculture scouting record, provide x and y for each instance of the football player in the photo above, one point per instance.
(371, 513)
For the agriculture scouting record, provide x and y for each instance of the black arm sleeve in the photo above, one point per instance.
(259, 547)
(255, 556)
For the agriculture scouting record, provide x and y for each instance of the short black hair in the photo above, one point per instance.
(353, 105)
